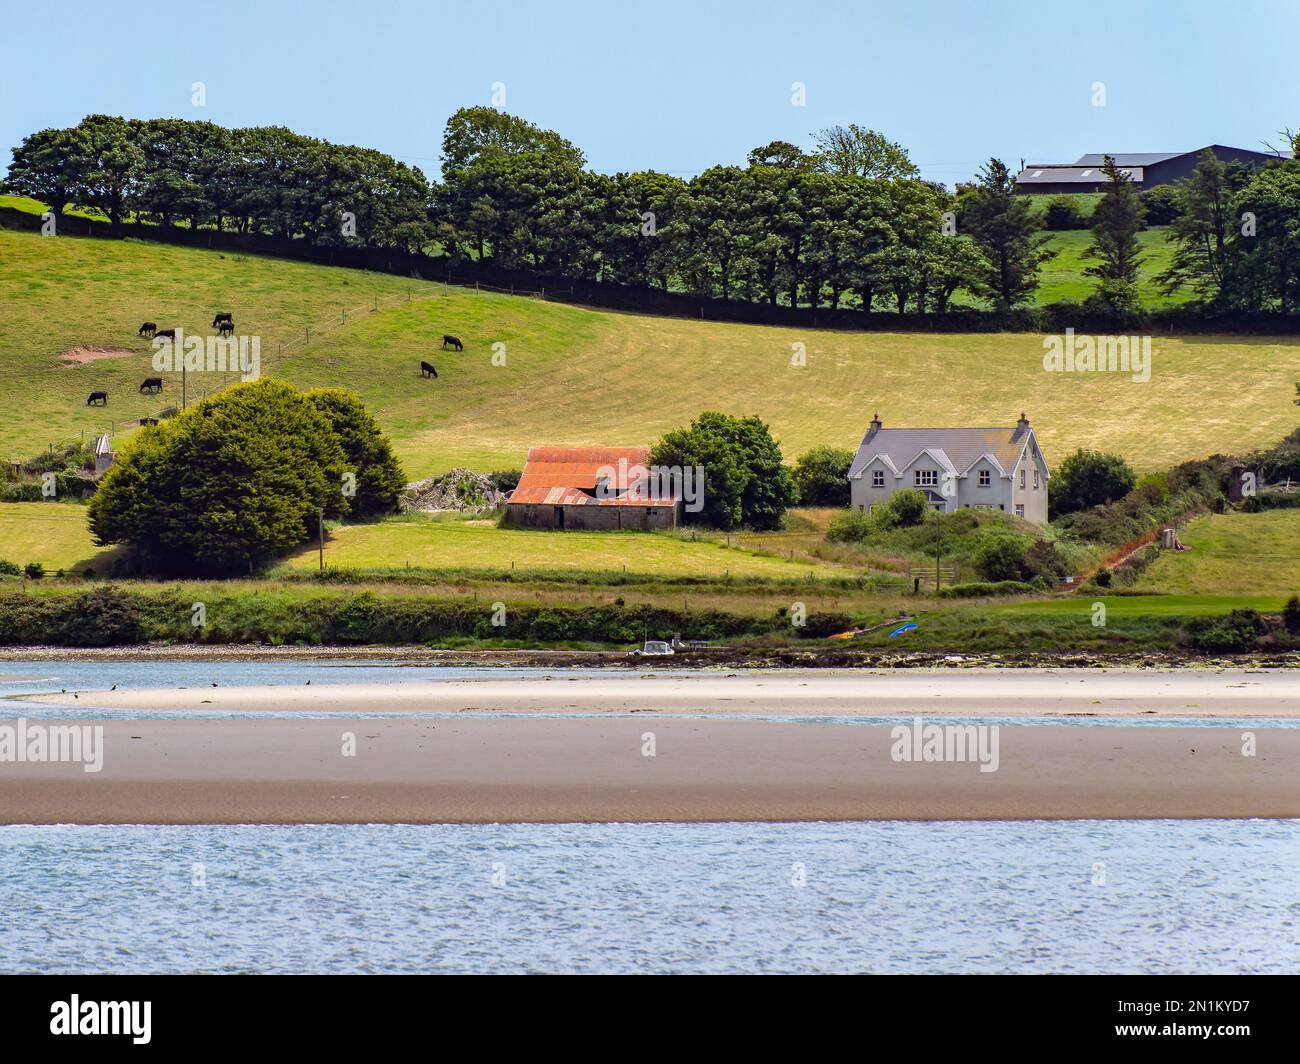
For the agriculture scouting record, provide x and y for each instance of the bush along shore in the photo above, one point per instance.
(114, 616)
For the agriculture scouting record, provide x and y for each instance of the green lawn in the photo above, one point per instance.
(577, 376)
(51, 533)
(1064, 276)
(1232, 553)
(432, 543)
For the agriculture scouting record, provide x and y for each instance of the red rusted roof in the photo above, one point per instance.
(567, 476)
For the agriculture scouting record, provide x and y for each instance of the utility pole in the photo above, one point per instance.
(320, 529)
(182, 384)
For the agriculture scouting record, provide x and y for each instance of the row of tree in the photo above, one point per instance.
(848, 224)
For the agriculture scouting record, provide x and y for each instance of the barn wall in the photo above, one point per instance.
(593, 518)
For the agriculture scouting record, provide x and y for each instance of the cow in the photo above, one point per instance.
(151, 384)
(427, 370)
(148, 328)
(226, 328)
(98, 398)
(170, 334)
(454, 341)
(221, 316)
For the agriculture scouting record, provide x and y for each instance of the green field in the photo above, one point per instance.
(578, 376)
(51, 533)
(1234, 553)
(1064, 277)
(430, 543)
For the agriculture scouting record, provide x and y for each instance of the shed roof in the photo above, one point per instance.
(567, 476)
(1073, 175)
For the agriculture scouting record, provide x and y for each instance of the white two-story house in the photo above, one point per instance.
(993, 469)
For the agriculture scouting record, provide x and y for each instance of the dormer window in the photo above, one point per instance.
(986, 478)
(926, 478)
(877, 478)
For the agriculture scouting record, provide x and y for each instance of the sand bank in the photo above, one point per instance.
(475, 770)
(985, 692)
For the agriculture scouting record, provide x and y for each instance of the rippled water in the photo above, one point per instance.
(1140, 896)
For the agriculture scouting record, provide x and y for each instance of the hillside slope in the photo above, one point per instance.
(577, 376)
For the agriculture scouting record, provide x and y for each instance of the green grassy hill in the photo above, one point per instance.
(578, 376)
(1234, 553)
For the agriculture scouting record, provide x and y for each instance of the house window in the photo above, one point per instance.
(926, 478)
(1035, 479)
(986, 478)
(877, 478)
(1020, 509)
(1022, 480)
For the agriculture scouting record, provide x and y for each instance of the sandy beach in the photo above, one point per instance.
(983, 692)
(554, 761)
(539, 770)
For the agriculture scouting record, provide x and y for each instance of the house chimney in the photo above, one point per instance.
(875, 426)
(1022, 426)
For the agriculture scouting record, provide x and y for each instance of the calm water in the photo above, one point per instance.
(1177, 896)
(1146, 896)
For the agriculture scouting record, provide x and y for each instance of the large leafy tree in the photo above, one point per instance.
(745, 480)
(48, 166)
(111, 164)
(853, 151)
(1011, 244)
(367, 452)
(473, 133)
(822, 476)
(230, 483)
(1262, 265)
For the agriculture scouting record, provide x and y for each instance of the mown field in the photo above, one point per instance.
(577, 376)
(1232, 553)
(51, 533)
(426, 543)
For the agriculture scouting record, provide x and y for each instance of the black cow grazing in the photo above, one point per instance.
(169, 333)
(427, 370)
(148, 328)
(226, 328)
(100, 398)
(221, 316)
(151, 384)
(454, 341)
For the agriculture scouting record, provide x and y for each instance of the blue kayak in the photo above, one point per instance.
(900, 631)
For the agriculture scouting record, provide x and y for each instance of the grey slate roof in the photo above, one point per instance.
(955, 449)
(1130, 158)
(1082, 175)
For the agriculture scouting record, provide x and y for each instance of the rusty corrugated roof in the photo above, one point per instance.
(567, 476)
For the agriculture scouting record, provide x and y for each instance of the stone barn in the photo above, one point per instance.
(606, 488)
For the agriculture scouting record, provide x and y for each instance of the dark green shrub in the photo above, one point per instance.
(982, 589)
(822, 476)
(1235, 632)
(1062, 212)
(1001, 557)
(1291, 615)
(505, 480)
(909, 506)
(824, 625)
(9, 568)
(34, 570)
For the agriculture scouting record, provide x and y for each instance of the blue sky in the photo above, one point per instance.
(679, 85)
